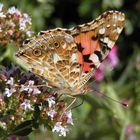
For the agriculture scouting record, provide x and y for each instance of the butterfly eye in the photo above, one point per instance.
(37, 52)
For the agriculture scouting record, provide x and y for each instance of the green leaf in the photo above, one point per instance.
(36, 112)
(23, 129)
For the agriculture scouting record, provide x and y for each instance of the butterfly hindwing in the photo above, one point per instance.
(52, 55)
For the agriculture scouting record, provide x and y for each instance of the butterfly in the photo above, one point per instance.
(67, 58)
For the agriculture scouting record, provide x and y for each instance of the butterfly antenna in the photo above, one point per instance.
(107, 97)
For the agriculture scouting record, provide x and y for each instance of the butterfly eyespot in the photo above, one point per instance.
(42, 47)
(52, 45)
(56, 44)
(37, 52)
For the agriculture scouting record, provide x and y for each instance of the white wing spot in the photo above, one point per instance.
(69, 38)
(56, 58)
(108, 25)
(115, 17)
(119, 29)
(114, 25)
(94, 58)
(106, 39)
(102, 31)
(74, 57)
(110, 43)
(121, 18)
(64, 46)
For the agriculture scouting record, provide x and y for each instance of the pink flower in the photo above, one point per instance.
(99, 73)
(8, 92)
(58, 128)
(110, 62)
(26, 105)
(10, 32)
(113, 57)
(52, 113)
(12, 137)
(24, 21)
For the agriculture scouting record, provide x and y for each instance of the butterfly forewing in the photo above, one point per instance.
(67, 58)
(95, 39)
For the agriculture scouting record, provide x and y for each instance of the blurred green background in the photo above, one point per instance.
(96, 119)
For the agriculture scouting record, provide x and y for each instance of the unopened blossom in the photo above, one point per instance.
(26, 105)
(51, 101)
(8, 92)
(51, 113)
(69, 117)
(58, 128)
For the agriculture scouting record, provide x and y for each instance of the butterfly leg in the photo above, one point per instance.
(73, 101)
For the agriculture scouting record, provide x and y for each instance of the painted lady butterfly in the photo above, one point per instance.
(67, 58)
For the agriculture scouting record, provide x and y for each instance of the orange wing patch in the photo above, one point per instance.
(87, 44)
(95, 39)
